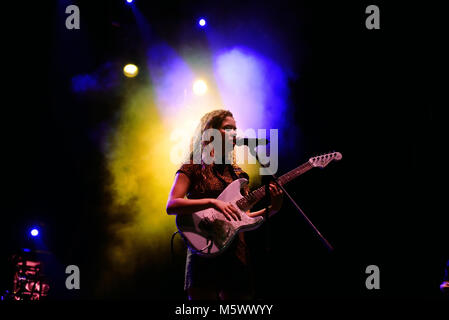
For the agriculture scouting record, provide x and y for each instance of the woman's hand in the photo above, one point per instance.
(227, 209)
(277, 197)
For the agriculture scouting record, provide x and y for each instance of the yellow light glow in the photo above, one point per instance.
(199, 87)
(143, 153)
(130, 70)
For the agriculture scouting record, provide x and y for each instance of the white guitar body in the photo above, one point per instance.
(208, 233)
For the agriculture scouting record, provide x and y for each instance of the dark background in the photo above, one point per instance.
(369, 94)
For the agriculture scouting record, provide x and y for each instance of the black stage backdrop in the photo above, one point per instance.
(369, 94)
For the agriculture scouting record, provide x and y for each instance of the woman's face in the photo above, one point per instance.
(228, 131)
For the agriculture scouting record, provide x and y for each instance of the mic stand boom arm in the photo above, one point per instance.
(267, 193)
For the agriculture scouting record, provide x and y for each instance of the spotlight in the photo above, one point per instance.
(199, 87)
(129, 1)
(130, 70)
(202, 22)
(34, 232)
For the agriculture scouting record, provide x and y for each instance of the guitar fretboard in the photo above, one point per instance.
(253, 197)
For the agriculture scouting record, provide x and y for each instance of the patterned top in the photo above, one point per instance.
(210, 183)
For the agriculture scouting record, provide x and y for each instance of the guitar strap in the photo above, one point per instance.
(233, 174)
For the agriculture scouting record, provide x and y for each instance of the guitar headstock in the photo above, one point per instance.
(325, 159)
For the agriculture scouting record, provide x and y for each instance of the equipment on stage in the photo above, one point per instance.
(29, 280)
(208, 233)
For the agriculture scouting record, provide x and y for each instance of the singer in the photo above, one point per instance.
(196, 187)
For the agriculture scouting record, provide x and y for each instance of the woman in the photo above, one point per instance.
(227, 276)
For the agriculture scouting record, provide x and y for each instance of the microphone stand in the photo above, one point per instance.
(267, 194)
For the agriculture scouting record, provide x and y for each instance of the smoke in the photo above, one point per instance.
(139, 181)
(106, 77)
(153, 120)
(255, 87)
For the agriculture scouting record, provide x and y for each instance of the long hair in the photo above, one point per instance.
(211, 120)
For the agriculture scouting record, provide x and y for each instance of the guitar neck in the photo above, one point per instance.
(255, 196)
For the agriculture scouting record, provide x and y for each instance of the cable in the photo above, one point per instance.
(171, 246)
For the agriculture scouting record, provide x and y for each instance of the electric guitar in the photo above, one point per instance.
(208, 233)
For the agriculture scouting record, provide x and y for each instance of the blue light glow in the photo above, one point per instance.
(202, 22)
(34, 232)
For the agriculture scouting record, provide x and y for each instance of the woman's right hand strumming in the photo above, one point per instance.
(227, 209)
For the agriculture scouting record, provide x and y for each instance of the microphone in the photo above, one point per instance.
(251, 141)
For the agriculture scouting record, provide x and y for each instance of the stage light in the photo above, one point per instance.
(199, 87)
(130, 70)
(129, 1)
(34, 232)
(202, 22)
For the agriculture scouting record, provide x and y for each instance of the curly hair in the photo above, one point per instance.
(211, 120)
